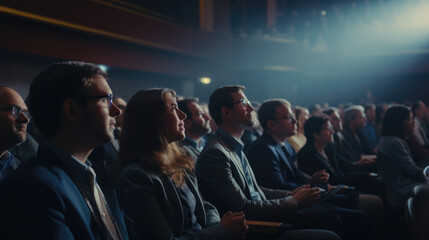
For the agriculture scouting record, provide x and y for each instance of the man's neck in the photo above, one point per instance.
(72, 147)
(279, 139)
(232, 130)
(320, 147)
(193, 136)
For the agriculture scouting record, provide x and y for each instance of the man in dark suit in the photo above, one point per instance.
(227, 181)
(14, 118)
(56, 195)
(271, 155)
(197, 124)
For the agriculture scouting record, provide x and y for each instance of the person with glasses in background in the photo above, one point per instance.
(57, 195)
(227, 181)
(14, 118)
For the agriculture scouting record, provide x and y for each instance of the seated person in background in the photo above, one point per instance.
(197, 124)
(320, 153)
(271, 156)
(380, 111)
(159, 191)
(298, 140)
(251, 134)
(56, 195)
(28, 149)
(352, 145)
(227, 180)
(14, 118)
(368, 130)
(394, 161)
(420, 131)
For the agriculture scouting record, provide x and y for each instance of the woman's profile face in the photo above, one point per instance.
(173, 119)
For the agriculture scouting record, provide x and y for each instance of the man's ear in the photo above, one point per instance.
(316, 135)
(225, 112)
(72, 110)
(271, 124)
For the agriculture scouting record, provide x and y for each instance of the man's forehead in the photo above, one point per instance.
(99, 85)
(283, 109)
(10, 97)
(236, 96)
(193, 106)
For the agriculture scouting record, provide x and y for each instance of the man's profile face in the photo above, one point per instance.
(13, 130)
(199, 121)
(241, 113)
(98, 120)
(121, 104)
(285, 122)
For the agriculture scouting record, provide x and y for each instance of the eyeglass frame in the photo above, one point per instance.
(290, 117)
(244, 102)
(16, 111)
(108, 96)
(329, 128)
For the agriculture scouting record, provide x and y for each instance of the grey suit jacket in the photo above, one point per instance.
(153, 203)
(222, 182)
(400, 173)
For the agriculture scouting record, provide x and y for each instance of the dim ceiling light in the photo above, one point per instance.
(205, 80)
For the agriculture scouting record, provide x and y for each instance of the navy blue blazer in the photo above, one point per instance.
(41, 201)
(272, 167)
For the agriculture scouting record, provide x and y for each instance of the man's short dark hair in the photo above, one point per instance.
(267, 111)
(184, 103)
(54, 85)
(314, 125)
(221, 97)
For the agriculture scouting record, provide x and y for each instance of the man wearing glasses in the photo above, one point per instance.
(271, 156)
(14, 118)
(226, 179)
(57, 195)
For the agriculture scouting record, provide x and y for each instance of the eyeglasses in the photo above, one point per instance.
(244, 102)
(329, 128)
(16, 111)
(290, 117)
(108, 97)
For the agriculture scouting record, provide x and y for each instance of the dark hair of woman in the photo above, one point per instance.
(143, 137)
(313, 125)
(393, 121)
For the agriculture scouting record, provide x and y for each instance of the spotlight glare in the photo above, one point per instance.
(205, 80)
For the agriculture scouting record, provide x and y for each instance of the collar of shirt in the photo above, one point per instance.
(236, 144)
(73, 166)
(198, 145)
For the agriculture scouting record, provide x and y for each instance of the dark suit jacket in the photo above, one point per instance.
(190, 149)
(271, 166)
(152, 201)
(311, 161)
(353, 149)
(222, 182)
(41, 201)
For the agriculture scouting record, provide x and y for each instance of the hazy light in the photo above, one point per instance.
(205, 80)
(103, 67)
(323, 13)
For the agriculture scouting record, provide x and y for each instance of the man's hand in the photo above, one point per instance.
(366, 160)
(306, 196)
(236, 224)
(320, 177)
